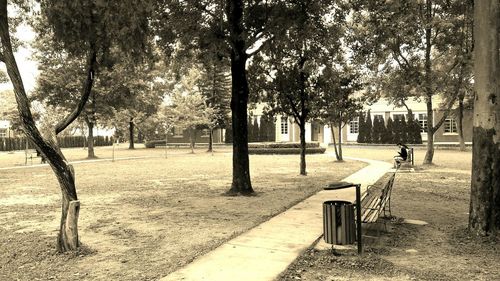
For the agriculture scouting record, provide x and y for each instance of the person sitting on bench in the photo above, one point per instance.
(402, 155)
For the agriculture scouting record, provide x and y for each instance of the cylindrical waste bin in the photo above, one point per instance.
(338, 222)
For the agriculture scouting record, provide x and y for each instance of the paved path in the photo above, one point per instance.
(265, 251)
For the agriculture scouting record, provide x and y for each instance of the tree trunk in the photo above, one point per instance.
(302, 127)
(90, 139)
(340, 142)
(241, 183)
(429, 155)
(131, 133)
(210, 140)
(334, 142)
(460, 124)
(192, 137)
(484, 213)
(68, 231)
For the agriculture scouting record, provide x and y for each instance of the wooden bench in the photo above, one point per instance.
(377, 200)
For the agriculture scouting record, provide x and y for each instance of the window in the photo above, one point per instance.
(205, 133)
(422, 120)
(354, 126)
(450, 126)
(178, 132)
(3, 133)
(284, 125)
(398, 117)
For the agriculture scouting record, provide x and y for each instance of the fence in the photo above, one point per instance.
(19, 143)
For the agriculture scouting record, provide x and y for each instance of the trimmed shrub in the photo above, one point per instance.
(269, 150)
(255, 130)
(228, 135)
(379, 130)
(368, 128)
(404, 131)
(282, 145)
(362, 129)
(389, 135)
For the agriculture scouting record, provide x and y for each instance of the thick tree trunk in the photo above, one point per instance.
(484, 214)
(241, 183)
(334, 142)
(90, 139)
(302, 127)
(131, 133)
(68, 232)
(460, 124)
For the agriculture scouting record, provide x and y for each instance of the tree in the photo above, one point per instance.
(361, 128)
(484, 213)
(413, 130)
(368, 127)
(256, 130)
(293, 61)
(250, 129)
(136, 92)
(81, 29)
(237, 30)
(189, 110)
(216, 88)
(378, 129)
(8, 110)
(338, 105)
(389, 137)
(266, 129)
(419, 47)
(399, 130)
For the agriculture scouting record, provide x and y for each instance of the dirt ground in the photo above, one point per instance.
(441, 250)
(144, 218)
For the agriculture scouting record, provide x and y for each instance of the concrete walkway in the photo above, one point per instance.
(265, 251)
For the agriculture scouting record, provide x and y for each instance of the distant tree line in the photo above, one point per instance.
(399, 130)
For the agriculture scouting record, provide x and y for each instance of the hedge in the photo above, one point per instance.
(268, 150)
(282, 145)
(19, 143)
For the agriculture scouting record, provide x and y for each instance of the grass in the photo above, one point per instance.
(141, 219)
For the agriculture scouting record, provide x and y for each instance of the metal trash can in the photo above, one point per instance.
(338, 222)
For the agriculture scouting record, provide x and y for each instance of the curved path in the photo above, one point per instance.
(265, 251)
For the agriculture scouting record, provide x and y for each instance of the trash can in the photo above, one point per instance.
(338, 222)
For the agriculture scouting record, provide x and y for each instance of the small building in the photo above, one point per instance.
(288, 131)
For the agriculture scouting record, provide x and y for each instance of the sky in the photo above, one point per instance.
(27, 67)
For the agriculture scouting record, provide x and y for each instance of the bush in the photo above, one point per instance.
(389, 136)
(286, 150)
(281, 145)
(228, 136)
(361, 129)
(379, 130)
(368, 128)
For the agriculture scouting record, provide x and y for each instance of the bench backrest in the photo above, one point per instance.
(375, 201)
